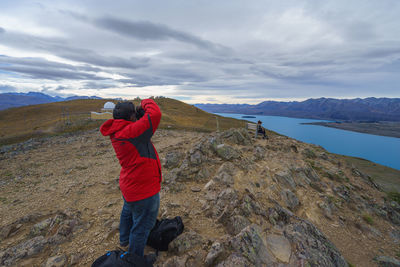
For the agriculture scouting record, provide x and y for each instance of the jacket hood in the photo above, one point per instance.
(111, 126)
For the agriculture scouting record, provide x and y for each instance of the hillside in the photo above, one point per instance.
(367, 109)
(244, 202)
(22, 123)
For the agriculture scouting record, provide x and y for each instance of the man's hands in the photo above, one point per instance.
(139, 112)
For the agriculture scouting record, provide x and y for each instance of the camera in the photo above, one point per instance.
(139, 112)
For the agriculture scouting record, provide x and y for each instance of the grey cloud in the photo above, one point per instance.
(43, 63)
(7, 88)
(74, 15)
(49, 73)
(146, 80)
(146, 30)
(171, 74)
(96, 85)
(346, 49)
(360, 31)
(383, 52)
(59, 47)
(2, 30)
(103, 61)
(39, 68)
(60, 88)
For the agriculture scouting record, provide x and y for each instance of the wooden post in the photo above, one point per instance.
(216, 118)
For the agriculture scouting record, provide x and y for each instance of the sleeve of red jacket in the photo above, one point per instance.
(151, 108)
(152, 112)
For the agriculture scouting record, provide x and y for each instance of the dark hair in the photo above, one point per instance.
(259, 122)
(124, 110)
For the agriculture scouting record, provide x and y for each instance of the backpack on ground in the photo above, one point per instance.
(164, 232)
(119, 258)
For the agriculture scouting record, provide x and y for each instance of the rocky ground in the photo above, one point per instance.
(244, 202)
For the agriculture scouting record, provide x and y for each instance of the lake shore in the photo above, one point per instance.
(391, 129)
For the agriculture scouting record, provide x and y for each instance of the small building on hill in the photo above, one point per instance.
(108, 107)
(105, 114)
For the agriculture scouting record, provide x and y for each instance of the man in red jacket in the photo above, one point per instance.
(130, 132)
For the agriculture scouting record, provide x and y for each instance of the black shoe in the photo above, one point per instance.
(150, 258)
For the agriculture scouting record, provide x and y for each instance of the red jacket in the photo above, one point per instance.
(140, 175)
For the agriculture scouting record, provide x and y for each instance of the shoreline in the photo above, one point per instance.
(389, 129)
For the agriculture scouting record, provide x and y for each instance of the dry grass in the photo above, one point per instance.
(22, 123)
(177, 114)
(386, 177)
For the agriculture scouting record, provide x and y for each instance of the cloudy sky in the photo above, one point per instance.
(201, 51)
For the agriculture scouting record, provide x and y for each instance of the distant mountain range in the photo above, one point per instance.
(12, 100)
(367, 109)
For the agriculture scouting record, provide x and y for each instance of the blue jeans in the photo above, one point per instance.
(137, 220)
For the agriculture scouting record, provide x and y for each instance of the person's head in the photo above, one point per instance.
(125, 111)
(259, 122)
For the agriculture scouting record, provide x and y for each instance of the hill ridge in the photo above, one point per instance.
(366, 109)
(13, 100)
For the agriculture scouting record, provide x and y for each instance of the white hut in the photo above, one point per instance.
(105, 114)
(108, 107)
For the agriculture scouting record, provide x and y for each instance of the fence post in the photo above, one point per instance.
(216, 118)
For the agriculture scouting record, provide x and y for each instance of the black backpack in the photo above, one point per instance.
(164, 232)
(119, 258)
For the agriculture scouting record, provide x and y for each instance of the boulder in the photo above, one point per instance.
(67, 227)
(315, 247)
(172, 159)
(171, 176)
(185, 242)
(40, 227)
(279, 215)
(224, 178)
(227, 200)
(227, 152)
(304, 176)
(311, 244)
(395, 235)
(311, 174)
(291, 200)
(187, 171)
(22, 250)
(394, 217)
(280, 247)
(216, 251)
(207, 145)
(250, 244)
(250, 206)
(196, 158)
(9, 230)
(227, 167)
(285, 178)
(235, 224)
(203, 174)
(237, 136)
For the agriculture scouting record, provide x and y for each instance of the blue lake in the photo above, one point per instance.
(380, 149)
